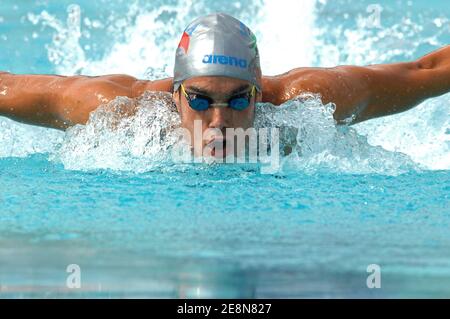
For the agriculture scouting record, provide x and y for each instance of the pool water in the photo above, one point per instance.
(138, 224)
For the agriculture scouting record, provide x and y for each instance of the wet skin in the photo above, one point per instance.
(215, 120)
(360, 93)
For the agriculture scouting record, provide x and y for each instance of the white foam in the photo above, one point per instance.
(287, 39)
(286, 35)
(19, 140)
(139, 136)
(124, 134)
(423, 133)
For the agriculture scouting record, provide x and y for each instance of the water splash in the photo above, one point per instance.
(421, 133)
(65, 51)
(142, 40)
(138, 136)
(20, 140)
(287, 38)
(359, 43)
(143, 46)
(319, 144)
(125, 134)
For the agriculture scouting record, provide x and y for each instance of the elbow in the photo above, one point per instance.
(424, 64)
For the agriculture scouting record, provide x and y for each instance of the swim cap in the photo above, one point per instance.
(217, 45)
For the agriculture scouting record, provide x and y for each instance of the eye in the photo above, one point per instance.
(198, 96)
(243, 95)
(239, 103)
(199, 102)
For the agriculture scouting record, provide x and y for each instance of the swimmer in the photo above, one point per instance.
(217, 79)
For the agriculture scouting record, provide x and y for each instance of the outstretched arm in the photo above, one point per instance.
(59, 101)
(363, 93)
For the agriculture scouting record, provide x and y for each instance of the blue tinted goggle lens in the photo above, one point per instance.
(199, 104)
(239, 103)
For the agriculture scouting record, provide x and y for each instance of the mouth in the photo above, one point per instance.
(218, 147)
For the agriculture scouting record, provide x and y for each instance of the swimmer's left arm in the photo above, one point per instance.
(363, 93)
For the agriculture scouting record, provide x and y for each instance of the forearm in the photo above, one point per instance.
(398, 87)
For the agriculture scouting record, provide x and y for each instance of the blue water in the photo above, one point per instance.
(139, 225)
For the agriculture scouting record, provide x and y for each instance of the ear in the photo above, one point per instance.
(177, 99)
(258, 97)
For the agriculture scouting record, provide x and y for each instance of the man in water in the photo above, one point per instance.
(217, 79)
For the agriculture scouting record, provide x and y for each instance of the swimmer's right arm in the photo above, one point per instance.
(63, 101)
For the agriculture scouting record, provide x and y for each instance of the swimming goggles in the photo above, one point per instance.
(201, 103)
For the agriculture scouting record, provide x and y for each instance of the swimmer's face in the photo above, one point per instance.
(220, 90)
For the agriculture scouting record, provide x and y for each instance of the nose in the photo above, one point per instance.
(219, 118)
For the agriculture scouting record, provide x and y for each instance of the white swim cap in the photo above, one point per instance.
(217, 45)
